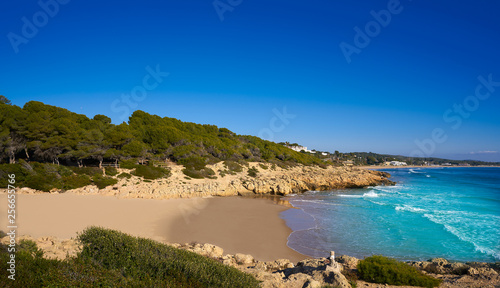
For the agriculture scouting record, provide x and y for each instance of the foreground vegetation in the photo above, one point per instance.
(383, 270)
(112, 259)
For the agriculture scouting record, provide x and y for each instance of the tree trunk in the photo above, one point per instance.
(27, 155)
(100, 163)
(57, 161)
(80, 163)
(12, 159)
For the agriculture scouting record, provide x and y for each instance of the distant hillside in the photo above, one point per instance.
(369, 158)
(44, 133)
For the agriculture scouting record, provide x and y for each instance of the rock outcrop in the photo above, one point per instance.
(277, 182)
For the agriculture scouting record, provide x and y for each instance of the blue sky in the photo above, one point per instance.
(274, 69)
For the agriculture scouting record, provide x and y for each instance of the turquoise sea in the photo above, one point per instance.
(452, 213)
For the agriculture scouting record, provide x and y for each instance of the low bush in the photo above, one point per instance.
(194, 162)
(102, 181)
(151, 172)
(233, 166)
(156, 264)
(32, 270)
(124, 175)
(75, 181)
(129, 164)
(252, 172)
(263, 166)
(111, 171)
(383, 270)
(199, 174)
(91, 171)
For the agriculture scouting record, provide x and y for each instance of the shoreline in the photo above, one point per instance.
(252, 235)
(415, 166)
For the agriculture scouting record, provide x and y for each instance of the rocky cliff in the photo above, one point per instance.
(278, 182)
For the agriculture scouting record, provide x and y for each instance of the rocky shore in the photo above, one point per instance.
(321, 272)
(277, 181)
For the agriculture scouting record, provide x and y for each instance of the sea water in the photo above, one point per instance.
(452, 213)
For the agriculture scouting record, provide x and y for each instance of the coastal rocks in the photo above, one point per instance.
(456, 274)
(348, 262)
(206, 249)
(52, 247)
(315, 179)
(279, 181)
(243, 259)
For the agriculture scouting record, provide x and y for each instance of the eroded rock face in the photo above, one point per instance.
(279, 182)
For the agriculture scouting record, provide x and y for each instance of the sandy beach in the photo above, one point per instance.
(236, 224)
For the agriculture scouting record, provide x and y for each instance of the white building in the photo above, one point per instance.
(398, 163)
(300, 148)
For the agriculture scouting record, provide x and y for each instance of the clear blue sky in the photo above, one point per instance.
(234, 67)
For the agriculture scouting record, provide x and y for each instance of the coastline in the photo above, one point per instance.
(239, 225)
(236, 224)
(378, 167)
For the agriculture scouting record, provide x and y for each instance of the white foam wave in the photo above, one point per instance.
(409, 209)
(462, 235)
(387, 189)
(428, 176)
(370, 194)
(413, 171)
(322, 202)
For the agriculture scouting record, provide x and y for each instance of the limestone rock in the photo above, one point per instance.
(243, 258)
(311, 283)
(348, 262)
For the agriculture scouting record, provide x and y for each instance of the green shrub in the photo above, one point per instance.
(263, 166)
(102, 181)
(39, 182)
(124, 175)
(151, 172)
(75, 181)
(45, 177)
(32, 270)
(252, 172)
(199, 174)
(91, 171)
(129, 164)
(380, 269)
(194, 162)
(111, 171)
(233, 166)
(157, 264)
